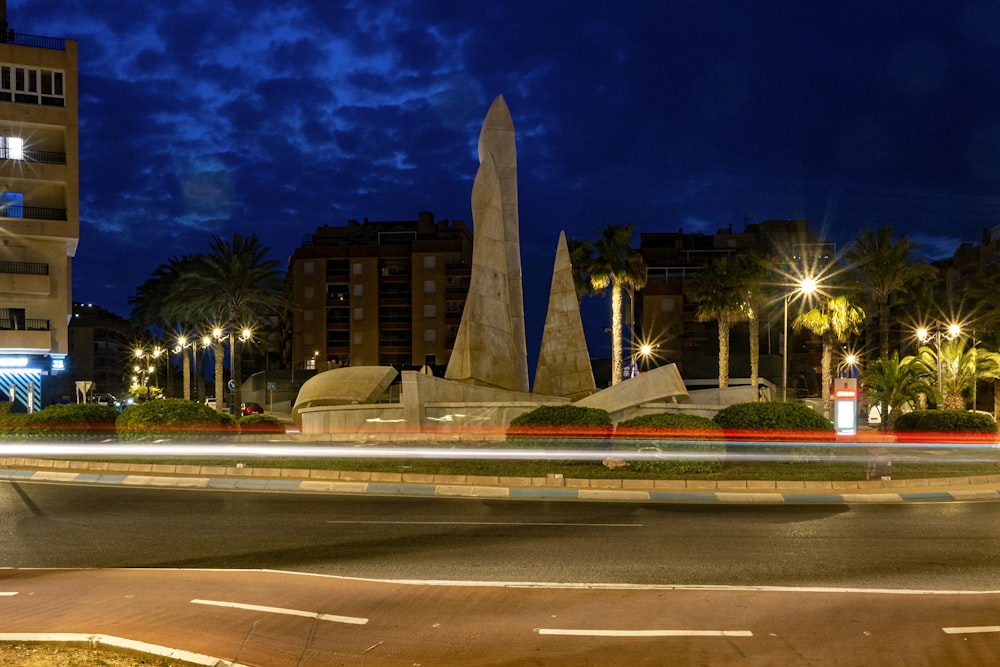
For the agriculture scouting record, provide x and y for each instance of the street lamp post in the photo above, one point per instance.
(805, 286)
(923, 334)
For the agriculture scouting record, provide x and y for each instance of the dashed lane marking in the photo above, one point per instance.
(972, 629)
(643, 633)
(288, 612)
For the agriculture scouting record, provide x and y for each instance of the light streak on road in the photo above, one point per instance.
(585, 450)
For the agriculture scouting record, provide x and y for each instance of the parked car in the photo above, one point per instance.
(210, 402)
(105, 399)
(252, 409)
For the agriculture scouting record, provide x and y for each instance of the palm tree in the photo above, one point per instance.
(233, 286)
(720, 292)
(834, 322)
(751, 271)
(958, 367)
(153, 305)
(618, 264)
(890, 382)
(885, 269)
(581, 253)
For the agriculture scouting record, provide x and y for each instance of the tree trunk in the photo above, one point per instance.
(616, 332)
(236, 368)
(186, 370)
(827, 373)
(220, 388)
(724, 327)
(755, 354)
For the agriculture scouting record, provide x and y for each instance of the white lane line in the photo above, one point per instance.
(289, 612)
(491, 523)
(643, 633)
(7, 593)
(972, 629)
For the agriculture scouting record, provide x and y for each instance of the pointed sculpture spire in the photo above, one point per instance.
(563, 362)
(490, 347)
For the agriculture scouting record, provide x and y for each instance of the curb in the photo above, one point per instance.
(984, 488)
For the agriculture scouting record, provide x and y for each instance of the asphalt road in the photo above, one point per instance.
(933, 546)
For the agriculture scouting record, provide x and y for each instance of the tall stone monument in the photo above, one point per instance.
(491, 348)
(563, 362)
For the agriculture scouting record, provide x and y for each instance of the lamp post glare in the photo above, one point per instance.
(805, 286)
(951, 332)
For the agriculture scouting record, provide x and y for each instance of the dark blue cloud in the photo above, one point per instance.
(202, 118)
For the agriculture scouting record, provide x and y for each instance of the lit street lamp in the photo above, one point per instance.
(951, 332)
(805, 286)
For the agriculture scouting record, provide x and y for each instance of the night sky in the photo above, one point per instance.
(273, 118)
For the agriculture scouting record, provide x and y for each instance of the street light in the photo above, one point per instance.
(805, 286)
(952, 331)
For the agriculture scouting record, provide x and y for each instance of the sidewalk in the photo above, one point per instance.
(552, 487)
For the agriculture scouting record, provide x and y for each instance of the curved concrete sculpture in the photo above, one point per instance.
(345, 386)
(663, 384)
(490, 347)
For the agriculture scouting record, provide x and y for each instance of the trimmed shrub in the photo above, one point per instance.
(56, 422)
(559, 427)
(72, 420)
(260, 423)
(776, 424)
(669, 437)
(668, 425)
(924, 423)
(172, 418)
(782, 420)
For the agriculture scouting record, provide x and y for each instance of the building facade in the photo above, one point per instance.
(379, 294)
(39, 211)
(665, 318)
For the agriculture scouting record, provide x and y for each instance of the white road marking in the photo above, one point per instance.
(7, 594)
(643, 633)
(490, 523)
(289, 612)
(972, 629)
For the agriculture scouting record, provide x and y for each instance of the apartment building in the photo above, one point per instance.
(379, 293)
(39, 210)
(664, 316)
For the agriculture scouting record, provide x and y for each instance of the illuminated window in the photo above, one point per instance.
(11, 148)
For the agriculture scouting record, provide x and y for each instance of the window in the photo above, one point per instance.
(359, 290)
(357, 268)
(32, 86)
(429, 261)
(308, 268)
(11, 148)
(430, 286)
(430, 311)
(12, 204)
(359, 338)
(359, 314)
(430, 335)
(308, 293)
(667, 306)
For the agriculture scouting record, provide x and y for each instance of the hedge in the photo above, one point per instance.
(172, 418)
(937, 425)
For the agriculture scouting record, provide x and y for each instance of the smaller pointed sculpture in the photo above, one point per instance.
(563, 362)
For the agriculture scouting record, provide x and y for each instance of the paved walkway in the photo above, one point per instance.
(553, 487)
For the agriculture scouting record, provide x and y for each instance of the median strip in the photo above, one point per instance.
(288, 612)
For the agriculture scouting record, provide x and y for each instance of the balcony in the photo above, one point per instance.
(25, 336)
(32, 212)
(25, 278)
(36, 41)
